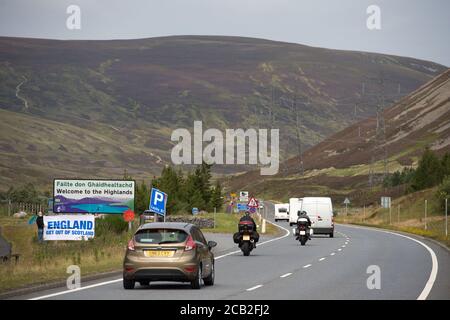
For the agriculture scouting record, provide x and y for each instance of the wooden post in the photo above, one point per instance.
(426, 208)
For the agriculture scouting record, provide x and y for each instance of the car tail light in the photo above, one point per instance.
(131, 245)
(190, 244)
(189, 269)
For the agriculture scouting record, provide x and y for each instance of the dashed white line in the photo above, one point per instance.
(332, 254)
(343, 246)
(321, 259)
(255, 287)
(286, 275)
(339, 249)
(307, 266)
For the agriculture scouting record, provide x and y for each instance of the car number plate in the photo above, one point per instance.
(246, 237)
(302, 233)
(157, 253)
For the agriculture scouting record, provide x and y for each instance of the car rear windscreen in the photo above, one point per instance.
(282, 210)
(160, 236)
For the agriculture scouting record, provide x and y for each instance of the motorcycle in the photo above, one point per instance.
(303, 231)
(246, 237)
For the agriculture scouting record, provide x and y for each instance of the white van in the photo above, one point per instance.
(295, 204)
(320, 211)
(282, 212)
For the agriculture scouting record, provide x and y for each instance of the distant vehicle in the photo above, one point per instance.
(148, 216)
(303, 231)
(320, 211)
(168, 251)
(295, 205)
(246, 237)
(282, 211)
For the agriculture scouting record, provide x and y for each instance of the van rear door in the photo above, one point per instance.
(324, 215)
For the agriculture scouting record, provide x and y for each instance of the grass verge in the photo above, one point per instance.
(407, 214)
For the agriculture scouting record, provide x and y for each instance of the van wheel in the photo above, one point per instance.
(128, 284)
(209, 281)
(276, 220)
(332, 235)
(196, 283)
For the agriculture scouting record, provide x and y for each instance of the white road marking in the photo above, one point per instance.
(120, 279)
(343, 246)
(321, 259)
(307, 266)
(286, 275)
(339, 249)
(255, 287)
(78, 289)
(434, 268)
(332, 254)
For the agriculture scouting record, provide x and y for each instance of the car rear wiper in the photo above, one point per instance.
(168, 241)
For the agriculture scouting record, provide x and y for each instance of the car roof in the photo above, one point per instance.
(170, 225)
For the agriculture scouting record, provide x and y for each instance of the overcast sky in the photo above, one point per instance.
(414, 28)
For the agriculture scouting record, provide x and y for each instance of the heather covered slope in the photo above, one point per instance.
(93, 108)
(342, 163)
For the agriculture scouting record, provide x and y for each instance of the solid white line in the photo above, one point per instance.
(255, 287)
(120, 279)
(321, 259)
(78, 289)
(307, 266)
(434, 268)
(286, 275)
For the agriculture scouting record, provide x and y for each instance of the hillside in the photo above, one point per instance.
(343, 163)
(93, 108)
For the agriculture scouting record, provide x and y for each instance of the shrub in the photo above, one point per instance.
(443, 191)
(112, 223)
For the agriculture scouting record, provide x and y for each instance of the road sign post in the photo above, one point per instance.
(158, 201)
(346, 202)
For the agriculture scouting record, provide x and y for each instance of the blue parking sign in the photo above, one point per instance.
(158, 200)
(242, 207)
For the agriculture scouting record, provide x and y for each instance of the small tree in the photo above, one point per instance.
(443, 191)
(429, 171)
(216, 197)
(445, 163)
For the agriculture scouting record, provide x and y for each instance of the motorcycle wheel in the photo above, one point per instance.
(246, 248)
(302, 241)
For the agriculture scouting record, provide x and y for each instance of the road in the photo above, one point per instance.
(326, 268)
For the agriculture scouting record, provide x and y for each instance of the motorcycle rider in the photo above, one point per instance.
(247, 217)
(304, 215)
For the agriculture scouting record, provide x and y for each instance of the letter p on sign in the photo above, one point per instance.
(158, 200)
